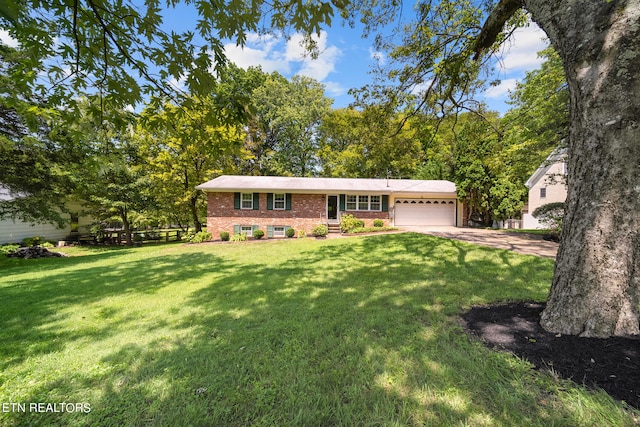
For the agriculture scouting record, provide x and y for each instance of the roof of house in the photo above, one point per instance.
(558, 155)
(323, 185)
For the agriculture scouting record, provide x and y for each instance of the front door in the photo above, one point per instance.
(332, 207)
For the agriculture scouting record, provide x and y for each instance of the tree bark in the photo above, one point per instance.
(595, 290)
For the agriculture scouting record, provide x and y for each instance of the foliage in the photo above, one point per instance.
(303, 234)
(378, 223)
(374, 229)
(349, 222)
(38, 155)
(8, 248)
(258, 234)
(320, 230)
(132, 52)
(290, 232)
(281, 135)
(372, 142)
(185, 145)
(239, 237)
(32, 241)
(538, 121)
(551, 215)
(224, 236)
(198, 237)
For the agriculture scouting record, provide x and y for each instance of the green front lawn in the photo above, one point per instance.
(354, 331)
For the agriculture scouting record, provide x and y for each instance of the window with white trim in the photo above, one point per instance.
(246, 229)
(247, 201)
(352, 203)
(543, 192)
(278, 231)
(279, 201)
(375, 204)
(363, 203)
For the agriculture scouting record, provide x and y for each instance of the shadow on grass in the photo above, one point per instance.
(337, 332)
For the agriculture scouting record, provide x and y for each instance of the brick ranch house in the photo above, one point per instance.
(272, 203)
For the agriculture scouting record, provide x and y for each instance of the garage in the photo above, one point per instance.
(425, 212)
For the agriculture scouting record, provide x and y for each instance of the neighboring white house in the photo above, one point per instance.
(548, 184)
(14, 231)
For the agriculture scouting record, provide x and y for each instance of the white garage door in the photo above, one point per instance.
(425, 212)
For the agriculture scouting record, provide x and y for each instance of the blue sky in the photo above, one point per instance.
(346, 59)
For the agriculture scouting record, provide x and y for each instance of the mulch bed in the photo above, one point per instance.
(612, 364)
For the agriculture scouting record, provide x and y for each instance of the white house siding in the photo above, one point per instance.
(556, 191)
(15, 231)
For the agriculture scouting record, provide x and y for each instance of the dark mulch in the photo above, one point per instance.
(612, 364)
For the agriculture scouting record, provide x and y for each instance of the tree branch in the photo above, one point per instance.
(494, 24)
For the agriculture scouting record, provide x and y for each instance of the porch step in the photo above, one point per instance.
(334, 228)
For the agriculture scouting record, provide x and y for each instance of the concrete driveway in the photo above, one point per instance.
(527, 244)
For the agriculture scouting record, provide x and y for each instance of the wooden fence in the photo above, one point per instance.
(118, 237)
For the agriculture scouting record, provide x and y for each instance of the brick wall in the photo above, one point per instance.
(307, 211)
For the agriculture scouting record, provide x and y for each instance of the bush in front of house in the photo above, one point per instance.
(290, 232)
(258, 234)
(224, 236)
(378, 223)
(348, 223)
(239, 237)
(551, 216)
(199, 237)
(8, 248)
(32, 241)
(320, 230)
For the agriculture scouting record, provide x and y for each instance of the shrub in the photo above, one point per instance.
(224, 236)
(8, 248)
(302, 234)
(239, 237)
(349, 223)
(551, 216)
(320, 230)
(48, 245)
(32, 241)
(290, 232)
(258, 234)
(199, 237)
(378, 223)
(202, 236)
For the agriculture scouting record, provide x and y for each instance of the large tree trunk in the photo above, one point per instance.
(595, 290)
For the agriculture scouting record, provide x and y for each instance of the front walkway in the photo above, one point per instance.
(528, 244)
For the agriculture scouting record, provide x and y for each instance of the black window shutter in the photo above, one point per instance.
(236, 200)
(256, 201)
(385, 203)
(269, 201)
(288, 201)
(342, 203)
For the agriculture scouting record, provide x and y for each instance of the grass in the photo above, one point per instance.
(356, 331)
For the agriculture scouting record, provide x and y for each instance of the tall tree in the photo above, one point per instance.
(283, 132)
(186, 145)
(538, 121)
(371, 143)
(38, 154)
(595, 290)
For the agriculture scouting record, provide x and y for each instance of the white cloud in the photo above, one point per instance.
(334, 88)
(501, 89)
(377, 56)
(520, 51)
(287, 57)
(7, 40)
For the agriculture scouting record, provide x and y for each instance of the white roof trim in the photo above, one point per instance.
(558, 155)
(267, 184)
